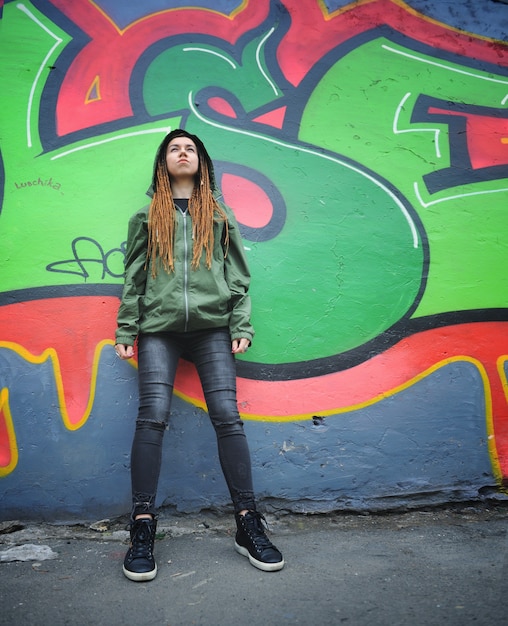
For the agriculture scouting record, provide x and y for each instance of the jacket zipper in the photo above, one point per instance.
(185, 269)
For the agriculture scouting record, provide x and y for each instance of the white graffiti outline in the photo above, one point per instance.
(165, 130)
(235, 66)
(328, 157)
(397, 131)
(456, 197)
(58, 41)
(217, 54)
(258, 61)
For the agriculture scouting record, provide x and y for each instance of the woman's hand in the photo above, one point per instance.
(123, 351)
(239, 345)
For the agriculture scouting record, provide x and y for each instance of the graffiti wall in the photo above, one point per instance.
(363, 147)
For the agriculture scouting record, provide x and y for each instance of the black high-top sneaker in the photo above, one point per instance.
(139, 563)
(252, 542)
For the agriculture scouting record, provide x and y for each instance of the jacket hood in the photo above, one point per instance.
(160, 157)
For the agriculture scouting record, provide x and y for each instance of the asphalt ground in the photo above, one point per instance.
(426, 567)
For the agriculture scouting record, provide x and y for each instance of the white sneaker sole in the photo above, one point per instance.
(266, 567)
(139, 578)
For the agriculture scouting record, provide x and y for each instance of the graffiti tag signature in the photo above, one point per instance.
(89, 253)
(38, 183)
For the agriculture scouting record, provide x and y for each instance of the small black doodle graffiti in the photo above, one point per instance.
(78, 264)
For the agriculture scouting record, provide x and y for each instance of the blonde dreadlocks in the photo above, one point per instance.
(202, 208)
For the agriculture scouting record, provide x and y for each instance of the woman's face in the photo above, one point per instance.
(182, 158)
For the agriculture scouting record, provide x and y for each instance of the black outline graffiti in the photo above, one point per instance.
(102, 260)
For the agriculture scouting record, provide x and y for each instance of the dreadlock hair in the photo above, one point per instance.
(203, 207)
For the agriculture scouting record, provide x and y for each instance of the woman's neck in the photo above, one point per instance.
(182, 188)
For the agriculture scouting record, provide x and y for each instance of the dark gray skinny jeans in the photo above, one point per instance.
(158, 355)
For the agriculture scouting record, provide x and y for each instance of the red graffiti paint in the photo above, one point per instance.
(69, 332)
(106, 62)
(273, 118)
(222, 106)
(487, 137)
(6, 444)
(37, 332)
(95, 88)
(297, 54)
(250, 202)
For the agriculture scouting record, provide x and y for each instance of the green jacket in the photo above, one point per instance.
(185, 299)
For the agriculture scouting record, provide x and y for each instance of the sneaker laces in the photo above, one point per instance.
(141, 542)
(256, 530)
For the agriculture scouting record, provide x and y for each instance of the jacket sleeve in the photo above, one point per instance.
(238, 279)
(135, 279)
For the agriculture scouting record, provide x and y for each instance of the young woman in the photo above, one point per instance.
(186, 291)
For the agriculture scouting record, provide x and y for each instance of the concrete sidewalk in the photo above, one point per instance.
(432, 567)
